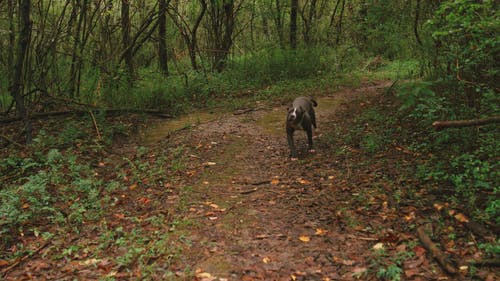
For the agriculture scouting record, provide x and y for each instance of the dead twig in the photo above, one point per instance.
(243, 111)
(95, 125)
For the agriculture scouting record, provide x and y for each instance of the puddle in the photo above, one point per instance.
(274, 122)
(155, 132)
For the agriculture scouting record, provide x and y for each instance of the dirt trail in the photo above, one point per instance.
(260, 216)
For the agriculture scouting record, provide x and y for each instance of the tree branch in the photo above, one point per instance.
(438, 125)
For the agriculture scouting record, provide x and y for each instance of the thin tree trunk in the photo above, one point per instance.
(77, 10)
(12, 42)
(339, 26)
(278, 19)
(162, 31)
(415, 24)
(294, 6)
(126, 41)
(18, 81)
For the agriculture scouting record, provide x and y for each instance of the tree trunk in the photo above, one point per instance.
(162, 37)
(339, 25)
(126, 42)
(308, 20)
(294, 6)
(415, 24)
(12, 43)
(18, 81)
(77, 11)
(278, 21)
(220, 32)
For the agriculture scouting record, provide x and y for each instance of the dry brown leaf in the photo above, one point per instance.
(303, 181)
(321, 232)
(304, 238)
(119, 216)
(133, 186)
(412, 272)
(438, 207)
(461, 217)
(3, 263)
(275, 181)
(266, 260)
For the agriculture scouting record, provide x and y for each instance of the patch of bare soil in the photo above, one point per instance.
(238, 208)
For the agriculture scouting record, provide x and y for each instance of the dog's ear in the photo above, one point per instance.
(301, 109)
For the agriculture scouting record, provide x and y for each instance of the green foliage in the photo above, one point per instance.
(422, 103)
(466, 30)
(465, 71)
(59, 192)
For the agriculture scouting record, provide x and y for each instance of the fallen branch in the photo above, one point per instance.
(485, 263)
(159, 113)
(435, 251)
(438, 125)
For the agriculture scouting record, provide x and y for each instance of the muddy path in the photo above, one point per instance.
(215, 197)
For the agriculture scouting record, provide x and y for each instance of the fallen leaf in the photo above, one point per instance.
(412, 272)
(419, 250)
(378, 246)
(144, 200)
(320, 231)
(275, 181)
(119, 216)
(215, 206)
(90, 262)
(303, 181)
(343, 261)
(304, 238)
(359, 271)
(266, 260)
(26, 206)
(461, 217)
(3, 263)
(133, 186)
(463, 268)
(438, 207)
(410, 216)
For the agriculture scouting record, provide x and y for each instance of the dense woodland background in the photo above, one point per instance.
(175, 55)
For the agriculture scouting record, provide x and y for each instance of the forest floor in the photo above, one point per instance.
(219, 199)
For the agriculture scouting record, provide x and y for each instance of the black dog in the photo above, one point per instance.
(300, 116)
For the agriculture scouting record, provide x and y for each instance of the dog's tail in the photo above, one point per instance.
(314, 102)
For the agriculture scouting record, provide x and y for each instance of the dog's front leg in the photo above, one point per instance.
(291, 145)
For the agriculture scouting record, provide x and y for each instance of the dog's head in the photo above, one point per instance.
(295, 114)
